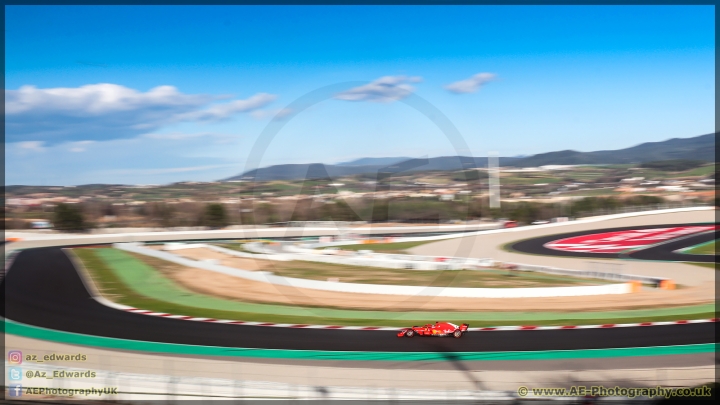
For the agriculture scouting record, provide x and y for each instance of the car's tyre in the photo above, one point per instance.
(458, 333)
(410, 333)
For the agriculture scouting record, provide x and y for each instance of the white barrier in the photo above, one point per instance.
(587, 274)
(456, 292)
(180, 245)
(276, 257)
(231, 252)
(389, 261)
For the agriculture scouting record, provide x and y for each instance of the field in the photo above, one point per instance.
(449, 278)
(491, 278)
(394, 248)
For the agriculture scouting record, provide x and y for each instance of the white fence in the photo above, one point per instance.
(587, 274)
(181, 246)
(416, 262)
(456, 292)
(390, 261)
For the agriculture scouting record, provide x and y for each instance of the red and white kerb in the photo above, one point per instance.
(616, 242)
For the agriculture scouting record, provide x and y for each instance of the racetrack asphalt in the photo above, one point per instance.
(42, 288)
(661, 252)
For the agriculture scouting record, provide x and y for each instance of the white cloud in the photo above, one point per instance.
(221, 111)
(80, 146)
(384, 89)
(472, 84)
(144, 159)
(110, 111)
(217, 138)
(168, 170)
(284, 112)
(275, 114)
(32, 145)
(174, 136)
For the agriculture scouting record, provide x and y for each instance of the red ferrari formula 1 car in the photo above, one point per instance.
(438, 329)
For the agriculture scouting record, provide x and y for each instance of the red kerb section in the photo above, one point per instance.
(616, 242)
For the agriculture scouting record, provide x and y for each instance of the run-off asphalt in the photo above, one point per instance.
(491, 245)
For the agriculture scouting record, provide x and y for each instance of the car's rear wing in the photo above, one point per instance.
(464, 327)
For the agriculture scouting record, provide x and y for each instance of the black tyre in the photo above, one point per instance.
(410, 333)
(458, 333)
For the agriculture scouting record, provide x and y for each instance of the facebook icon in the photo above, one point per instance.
(15, 390)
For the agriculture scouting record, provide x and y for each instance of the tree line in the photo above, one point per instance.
(73, 217)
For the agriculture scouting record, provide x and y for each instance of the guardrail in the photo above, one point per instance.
(390, 261)
(656, 281)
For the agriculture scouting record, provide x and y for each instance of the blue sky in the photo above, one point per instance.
(151, 95)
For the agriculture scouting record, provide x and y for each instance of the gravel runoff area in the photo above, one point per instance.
(491, 245)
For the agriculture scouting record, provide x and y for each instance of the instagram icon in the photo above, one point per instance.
(15, 357)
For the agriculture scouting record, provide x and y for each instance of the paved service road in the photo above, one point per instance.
(665, 251)
(491, 245)
(44, 289)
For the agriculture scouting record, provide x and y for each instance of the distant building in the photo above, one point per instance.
(556, 167)
(40, 225)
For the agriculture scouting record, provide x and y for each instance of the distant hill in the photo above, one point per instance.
(696, 148)
(374, 161)
(320, 171)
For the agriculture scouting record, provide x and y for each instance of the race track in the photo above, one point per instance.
(42, 288)
(664, 251)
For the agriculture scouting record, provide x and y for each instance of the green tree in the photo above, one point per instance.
(69, 218)
(215, 216)
(524, 212)
(344, 212)
(266, 213)
(673, 165)
(164, 214)
(380, 210)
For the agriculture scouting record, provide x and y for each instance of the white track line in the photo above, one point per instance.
(487, 329)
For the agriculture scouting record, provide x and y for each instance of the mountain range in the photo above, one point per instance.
(696, 148)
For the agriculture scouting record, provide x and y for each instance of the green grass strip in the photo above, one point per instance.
(707, 248)
(395, 247)
(28, 331)
(137, 284)
(707, 265)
